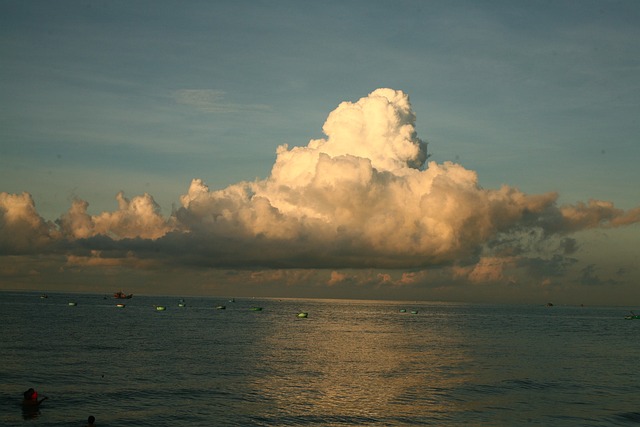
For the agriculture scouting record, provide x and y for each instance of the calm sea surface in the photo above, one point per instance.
(350, 363)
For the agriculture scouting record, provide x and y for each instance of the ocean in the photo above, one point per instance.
(349, 363)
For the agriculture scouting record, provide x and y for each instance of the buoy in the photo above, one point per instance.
(303, 315)
(160, 308)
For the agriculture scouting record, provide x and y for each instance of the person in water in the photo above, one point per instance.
(31, 398)
(91, 421)
(31, 404)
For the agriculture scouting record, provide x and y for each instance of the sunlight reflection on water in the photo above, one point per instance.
(348, 363)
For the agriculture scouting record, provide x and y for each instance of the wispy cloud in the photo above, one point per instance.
(211, 101)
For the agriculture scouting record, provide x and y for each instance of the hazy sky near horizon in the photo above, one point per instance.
(277, 148)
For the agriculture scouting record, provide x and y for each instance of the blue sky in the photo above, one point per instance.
(143, 97)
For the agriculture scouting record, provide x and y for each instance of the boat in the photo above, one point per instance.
(44, 296)
(256, 308)
(403, 310)
(73, 303)
(122, 295)
(632, 316)
(160, 308)
(120, 305)
(221, 307)
(303, 315)
(181, 304)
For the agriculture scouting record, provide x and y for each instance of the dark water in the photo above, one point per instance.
(350, 363)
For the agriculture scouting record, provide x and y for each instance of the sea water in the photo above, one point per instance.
(349, 363)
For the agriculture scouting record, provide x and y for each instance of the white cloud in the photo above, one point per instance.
(359, 198)
(22, 230)
(136, 218)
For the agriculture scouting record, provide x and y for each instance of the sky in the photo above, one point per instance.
(406, 150)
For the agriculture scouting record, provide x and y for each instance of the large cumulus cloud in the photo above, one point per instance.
(363, 196)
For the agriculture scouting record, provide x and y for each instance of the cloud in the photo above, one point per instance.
(22, 230)
(136, 218)
(211, 101)
(362, 197)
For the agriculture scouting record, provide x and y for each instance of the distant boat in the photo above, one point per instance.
(181, 304)
(403, 310)
(221, 307)
(120, 305)
(122, 295)
(256, 308)
(632, 316)
(160, 308)
(44, 296)
(73, 303)
(414, 311)
(303, 315)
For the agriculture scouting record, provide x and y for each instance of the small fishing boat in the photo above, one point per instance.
(44, 296)
(414, 311)
(303, 315)
(256, 308)
(73, 303)
(122, 295)
(120, 305)
(632, 316)
(221, 307)
(160, 308)
(403, 310)
(181, 304)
